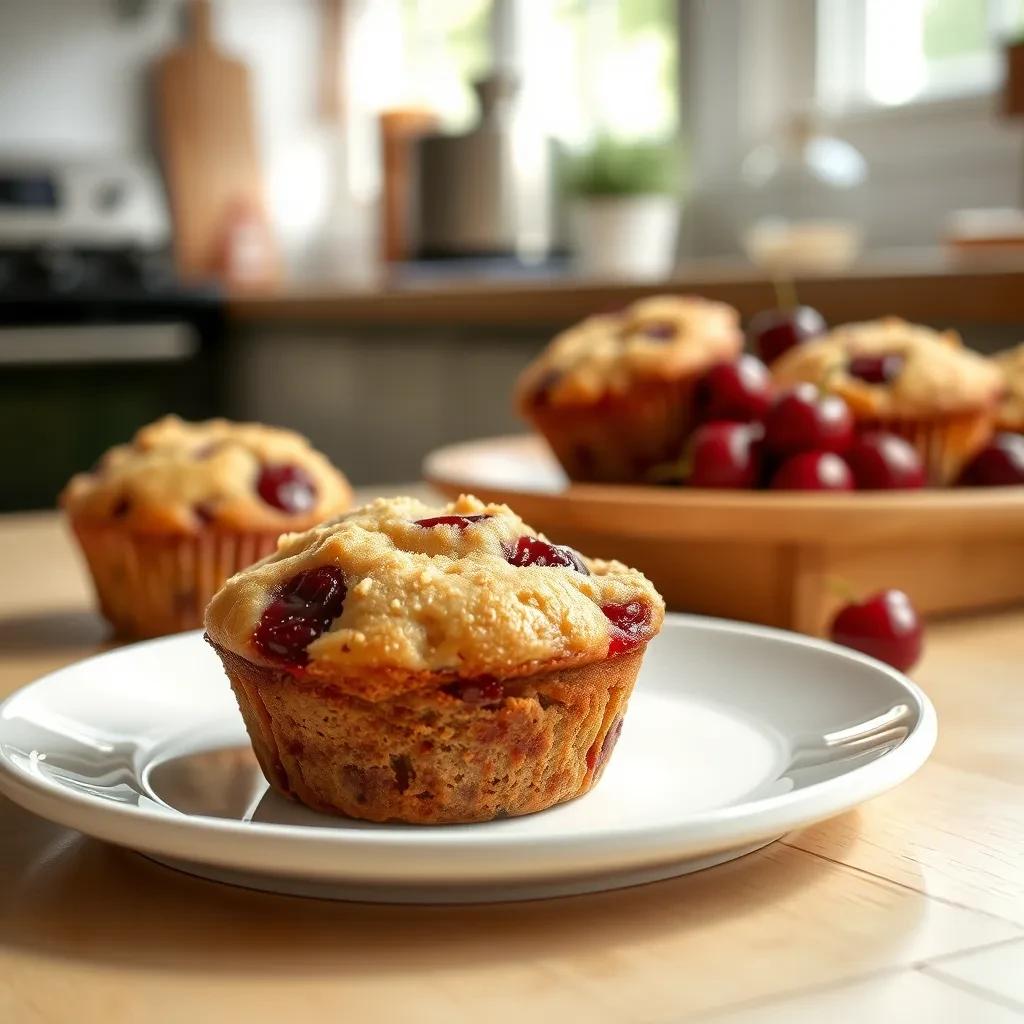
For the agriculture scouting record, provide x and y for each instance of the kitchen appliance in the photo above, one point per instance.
(489, 192)
(97, 334)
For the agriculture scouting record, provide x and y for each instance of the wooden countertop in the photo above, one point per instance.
(911, 908)
(928, 286)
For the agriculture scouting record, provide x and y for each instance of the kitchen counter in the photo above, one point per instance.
(927, 286)
(910, 908)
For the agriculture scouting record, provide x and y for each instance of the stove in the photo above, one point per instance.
(98, 335)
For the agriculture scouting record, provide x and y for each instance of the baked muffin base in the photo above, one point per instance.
(621, 437)
(149, 585)
(426, 756)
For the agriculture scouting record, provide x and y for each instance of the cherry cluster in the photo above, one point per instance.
(801, 439)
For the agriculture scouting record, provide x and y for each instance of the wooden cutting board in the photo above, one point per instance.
(208, 146)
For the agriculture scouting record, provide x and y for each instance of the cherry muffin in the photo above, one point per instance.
(614, 394)
(1011, 408)
(906, 379)
(432, 665)
(165, 520)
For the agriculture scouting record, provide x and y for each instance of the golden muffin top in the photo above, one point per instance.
(183, 478)
(399, 589)
(892, 368)
(664, 337)
(1011, 408)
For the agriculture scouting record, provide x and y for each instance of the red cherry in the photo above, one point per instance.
(882, 462)
(724, 455)
(875, 369)
(886, 626)
(306, 605)
(534, 551)
(459, 522)
(774, 331)
(735, 391)
(287, 487)
(999, 464)
(803, 420)
(630, 622)
(477, 691)
(813, 471)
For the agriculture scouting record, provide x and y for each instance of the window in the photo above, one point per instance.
(892, 52)
(586, 66)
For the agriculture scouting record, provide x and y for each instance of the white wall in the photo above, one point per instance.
(749, 62)
(73, 82)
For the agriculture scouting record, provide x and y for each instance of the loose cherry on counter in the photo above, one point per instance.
(813, 471)
(886, 626)
(774, 331)
(882, 462)
(287, 487)
(999, 464)
(724, 455)
(803, 419)
(740, 390)
(534, 551)
(459, 522)
(305, 606)
(630, 622)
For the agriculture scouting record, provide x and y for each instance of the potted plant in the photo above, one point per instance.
(624, 212)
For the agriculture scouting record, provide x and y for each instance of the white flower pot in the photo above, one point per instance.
(625, 236)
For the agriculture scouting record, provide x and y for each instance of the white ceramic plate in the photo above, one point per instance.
(735, 735)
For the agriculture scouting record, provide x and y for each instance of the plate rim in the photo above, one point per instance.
(197, 837)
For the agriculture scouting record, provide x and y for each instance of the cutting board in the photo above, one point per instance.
(208, 146)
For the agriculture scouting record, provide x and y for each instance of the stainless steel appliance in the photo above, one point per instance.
(97, 336)
(488, 192)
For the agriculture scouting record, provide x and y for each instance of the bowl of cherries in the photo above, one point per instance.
(775, 497)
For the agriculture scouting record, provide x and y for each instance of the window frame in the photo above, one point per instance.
(841, 79)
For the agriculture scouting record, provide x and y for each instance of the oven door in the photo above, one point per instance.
(70, 391)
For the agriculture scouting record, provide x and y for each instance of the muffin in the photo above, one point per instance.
(432, 665)
(613, 395)
(165, 520)
(907, 379)
(1011, 408)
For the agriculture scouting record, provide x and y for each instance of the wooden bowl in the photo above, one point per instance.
(781, 558)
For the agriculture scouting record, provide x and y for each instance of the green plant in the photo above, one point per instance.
(611, 168)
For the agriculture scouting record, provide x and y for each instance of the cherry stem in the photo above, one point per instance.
(785, 292)
(841, 588)
(670, 472)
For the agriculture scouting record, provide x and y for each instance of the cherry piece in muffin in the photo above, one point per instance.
(307, 605)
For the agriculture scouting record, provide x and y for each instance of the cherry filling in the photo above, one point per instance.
(629, 625)
(534, 551)
(875, 369)
(541, 394)
(205, 512)
(477, 691)
(596, 756)
(306, 605)
(287, 487)
(660, 330)
(459, 522)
